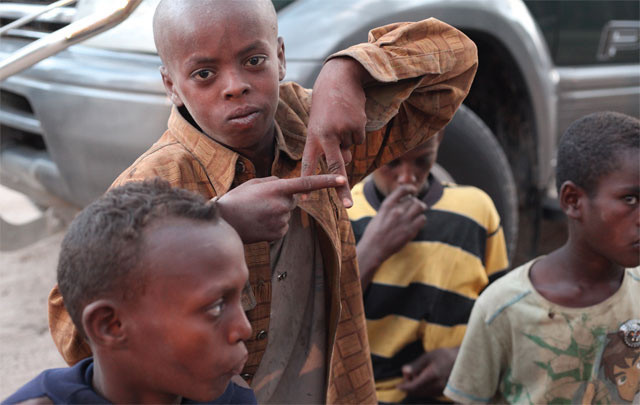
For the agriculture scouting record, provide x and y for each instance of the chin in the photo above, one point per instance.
(628, 262)
(208, 391)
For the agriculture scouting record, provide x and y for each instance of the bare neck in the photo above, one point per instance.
(576, 276)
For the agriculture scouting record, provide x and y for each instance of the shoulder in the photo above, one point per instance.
(471, 194)
(167, 159)
(60, 386)
(234, 394)
(468, 201)
(361, 207)
(505, 293)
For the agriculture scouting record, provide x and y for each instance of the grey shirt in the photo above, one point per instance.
(293, 368)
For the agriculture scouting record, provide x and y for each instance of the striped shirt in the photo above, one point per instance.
(421, 297)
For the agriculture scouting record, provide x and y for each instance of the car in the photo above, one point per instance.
(70, 124)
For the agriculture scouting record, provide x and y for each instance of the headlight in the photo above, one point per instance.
(133, 34)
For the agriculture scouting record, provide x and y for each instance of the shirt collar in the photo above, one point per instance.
(219, 160)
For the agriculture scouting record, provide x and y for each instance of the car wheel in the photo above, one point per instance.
(471, 155)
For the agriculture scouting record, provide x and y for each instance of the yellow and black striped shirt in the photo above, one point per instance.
(420, 298)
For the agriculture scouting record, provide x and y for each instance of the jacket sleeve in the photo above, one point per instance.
(423, 72)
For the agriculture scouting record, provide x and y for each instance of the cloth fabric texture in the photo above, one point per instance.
(73, 385)
(423, 71)
(297, 307)
(421, 297)
(521, 348)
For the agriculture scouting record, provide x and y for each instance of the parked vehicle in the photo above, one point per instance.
(73, 122)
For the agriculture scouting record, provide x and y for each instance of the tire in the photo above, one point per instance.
(471, 155)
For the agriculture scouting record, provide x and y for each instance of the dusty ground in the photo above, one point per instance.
(27, 275)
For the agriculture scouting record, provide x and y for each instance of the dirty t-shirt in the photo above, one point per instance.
(522, 348)
(293, 368)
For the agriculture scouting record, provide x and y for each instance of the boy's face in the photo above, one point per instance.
(225, 66)
(412, 168)
(187, 328)
(611, 218)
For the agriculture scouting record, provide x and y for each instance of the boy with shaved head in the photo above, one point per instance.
(237, 134)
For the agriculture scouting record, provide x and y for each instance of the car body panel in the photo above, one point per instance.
(97, 109)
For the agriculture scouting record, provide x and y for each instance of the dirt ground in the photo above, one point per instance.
(27, 275)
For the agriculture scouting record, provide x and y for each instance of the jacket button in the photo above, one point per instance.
(240, 166)
(261, 335)
(246, 376)
(282, 276)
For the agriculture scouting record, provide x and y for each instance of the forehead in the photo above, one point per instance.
(626, 172)
(188, 252)
(196, 25)
(421, 151)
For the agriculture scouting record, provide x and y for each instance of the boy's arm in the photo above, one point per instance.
(416, 73)
(481, 360)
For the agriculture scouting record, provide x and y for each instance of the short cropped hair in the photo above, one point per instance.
(589, 148)
(102, 248)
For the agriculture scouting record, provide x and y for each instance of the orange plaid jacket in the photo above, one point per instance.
(423, 71)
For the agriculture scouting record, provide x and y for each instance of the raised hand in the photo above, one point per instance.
(259, 210)
(427, 376)
(398, 221)
(337, 119)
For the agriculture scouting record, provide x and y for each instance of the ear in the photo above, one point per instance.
(102, 324)
(282, 63)
(169, 87)
(572, 199)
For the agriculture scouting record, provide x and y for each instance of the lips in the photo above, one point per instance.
(243, 114)
(237, 369)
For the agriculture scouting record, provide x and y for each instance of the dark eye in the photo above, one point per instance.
(631, 199)
(202, 74)
(256, 61)
(216, 309)
(393, 163)
(422, 162)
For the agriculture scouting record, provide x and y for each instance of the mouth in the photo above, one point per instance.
(237, 369)
(244, 115)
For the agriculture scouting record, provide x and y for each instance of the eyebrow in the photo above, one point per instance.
(197, 60)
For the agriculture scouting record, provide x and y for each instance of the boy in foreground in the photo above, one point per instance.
(426, 250)
(152, 278)
(540, 333)
(236, 133)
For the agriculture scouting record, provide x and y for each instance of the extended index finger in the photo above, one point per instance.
(308, 184)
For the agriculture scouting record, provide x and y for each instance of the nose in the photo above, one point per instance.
(235, 85)
(240, 329)
(405, 174)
